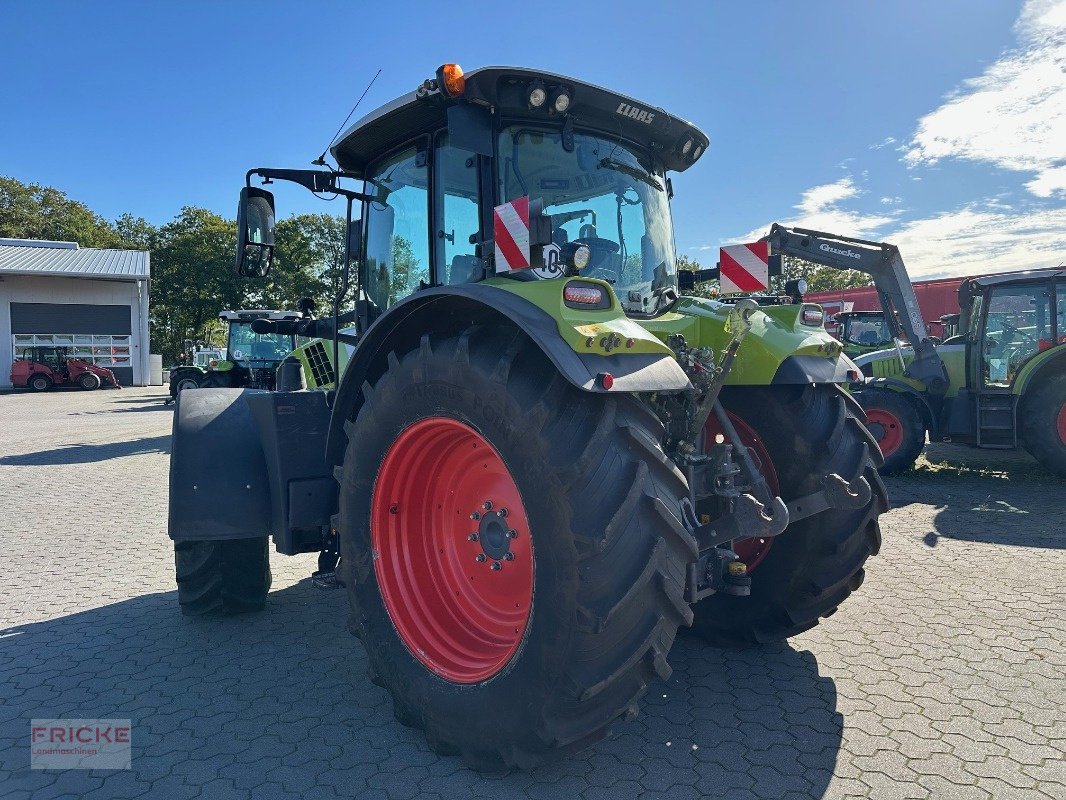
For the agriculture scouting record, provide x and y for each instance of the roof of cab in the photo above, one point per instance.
(501, 88)
(1024, 276)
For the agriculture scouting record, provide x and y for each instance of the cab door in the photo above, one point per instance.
(1017, 326)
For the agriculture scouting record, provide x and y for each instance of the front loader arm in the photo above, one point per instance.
(882, 262)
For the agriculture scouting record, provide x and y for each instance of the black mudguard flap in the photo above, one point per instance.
(292, 428)
(219, 486)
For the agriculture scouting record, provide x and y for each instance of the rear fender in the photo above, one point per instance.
(581, 344)
(219, 487)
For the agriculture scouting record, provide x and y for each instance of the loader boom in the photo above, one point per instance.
(882, 262)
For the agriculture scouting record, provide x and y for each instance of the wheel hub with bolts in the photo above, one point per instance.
(493, 536)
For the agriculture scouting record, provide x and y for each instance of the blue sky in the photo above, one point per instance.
(940, 126)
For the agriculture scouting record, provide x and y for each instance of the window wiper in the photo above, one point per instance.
(631, 171)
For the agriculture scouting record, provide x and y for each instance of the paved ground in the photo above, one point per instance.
(944, 678)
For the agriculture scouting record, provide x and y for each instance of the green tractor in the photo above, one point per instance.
(1006, 375)
(251, 359)
(199, 357)
(539, 459)
(863, 332)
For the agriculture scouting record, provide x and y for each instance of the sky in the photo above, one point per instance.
(938, 126)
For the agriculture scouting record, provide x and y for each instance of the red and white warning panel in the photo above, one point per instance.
(744, 267)
(510, 232)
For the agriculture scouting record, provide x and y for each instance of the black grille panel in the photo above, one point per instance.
(321, 368)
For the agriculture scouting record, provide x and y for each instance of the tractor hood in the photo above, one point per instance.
(506, 91)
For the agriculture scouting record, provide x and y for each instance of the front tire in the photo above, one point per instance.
(594, 504)
(808, 570)
(222, 577)
(897, 426)
(89, 382)
(1043, 424)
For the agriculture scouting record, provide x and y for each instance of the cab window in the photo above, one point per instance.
(870, 331)
(456, 210)
(1017, 326)
(397, 223)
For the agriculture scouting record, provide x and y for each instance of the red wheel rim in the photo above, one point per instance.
(886, 428)
(453, 554)
(1060, 424)
(750, 551)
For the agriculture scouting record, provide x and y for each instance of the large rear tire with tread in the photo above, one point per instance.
(896, 425)
(817, 562)
(222, 577)
(1043, 424)
(608, 550)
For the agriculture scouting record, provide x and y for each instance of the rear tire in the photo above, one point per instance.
(224, 577)
(39, 383)
(896, 425)
(1043, 424)
(817, 562)
(183, 383)
(608, 550)
(89, 381)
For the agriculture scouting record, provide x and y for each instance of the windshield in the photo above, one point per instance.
(871, 331)
(246, 345)
(604, 195)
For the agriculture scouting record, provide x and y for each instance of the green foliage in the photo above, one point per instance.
(32, 211)
(191, 259)
(819, 279)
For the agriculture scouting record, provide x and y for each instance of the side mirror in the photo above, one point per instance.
(255, 233)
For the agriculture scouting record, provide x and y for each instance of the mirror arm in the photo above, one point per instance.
(315, 180)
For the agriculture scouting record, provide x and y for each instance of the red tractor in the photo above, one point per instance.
(46, 367)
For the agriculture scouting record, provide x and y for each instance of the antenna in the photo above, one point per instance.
(321, 160)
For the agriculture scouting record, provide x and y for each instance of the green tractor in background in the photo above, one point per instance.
(540, 460)
(250, 359)
(1005, 366)
(863, 332)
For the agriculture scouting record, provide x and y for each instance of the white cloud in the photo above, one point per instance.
(980, 239)
(820, 208)
(883, 143)
(1013, 115)
(1049, 182)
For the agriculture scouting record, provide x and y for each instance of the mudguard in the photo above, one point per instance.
(219, 487)
(444, 308)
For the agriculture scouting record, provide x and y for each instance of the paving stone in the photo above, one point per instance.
(940, 678)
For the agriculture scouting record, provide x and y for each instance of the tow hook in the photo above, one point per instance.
(838, 494)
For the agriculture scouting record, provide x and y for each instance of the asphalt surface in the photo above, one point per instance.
(942, 678)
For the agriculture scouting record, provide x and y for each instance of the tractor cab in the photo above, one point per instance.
(252, 358)
(863, 332)
(1010, 320)
(502, 172)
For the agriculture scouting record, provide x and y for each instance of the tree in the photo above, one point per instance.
(819, 278)
(32, 211)
(192, 278)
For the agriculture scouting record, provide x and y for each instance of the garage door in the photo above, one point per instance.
(100, 334)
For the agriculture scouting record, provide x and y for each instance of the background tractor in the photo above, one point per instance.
(251, 359)
(540, 460)
(1006, 375)
(863, 332)
(998, 380)
(48, 367)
